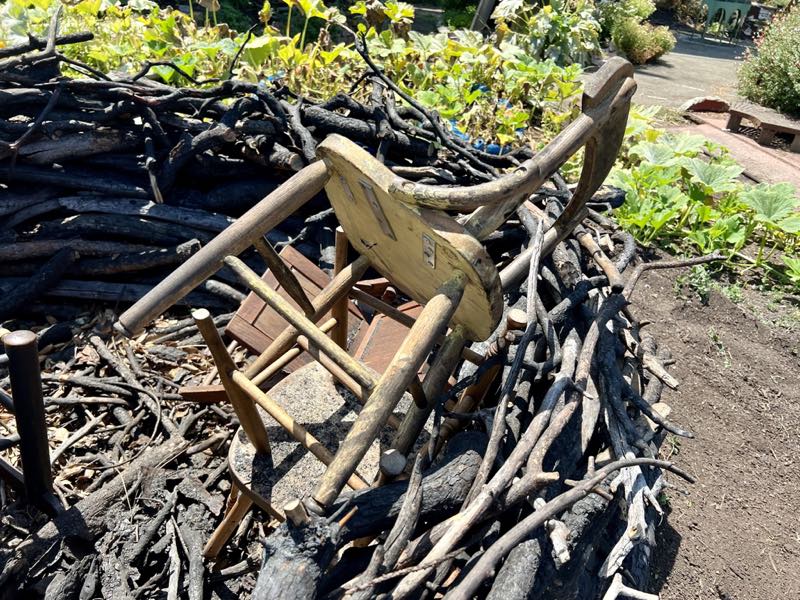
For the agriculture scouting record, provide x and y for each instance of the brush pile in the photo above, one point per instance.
(545, 486)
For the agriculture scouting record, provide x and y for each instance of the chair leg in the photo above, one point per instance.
(233, 516)
(338, 287)
(339, 310)
(364, 376)
(246, 411)
(430, 324)
(436, 378)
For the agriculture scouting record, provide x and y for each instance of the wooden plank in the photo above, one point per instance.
(255, 325)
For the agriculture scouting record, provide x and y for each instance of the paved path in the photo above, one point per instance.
(694, 68)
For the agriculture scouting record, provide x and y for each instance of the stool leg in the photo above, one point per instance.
(233, 516)
(430, 324)
(795, 147)
(734, 123)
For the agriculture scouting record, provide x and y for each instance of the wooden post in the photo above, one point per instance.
(265, 215)
(279, 304)
(26, 389)
(295, 429)
(340, 285)
(339, 310)
(430, 324)
(283, 274)
(245, 410)
(435, 379)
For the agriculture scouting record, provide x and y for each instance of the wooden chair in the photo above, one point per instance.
(400, 229)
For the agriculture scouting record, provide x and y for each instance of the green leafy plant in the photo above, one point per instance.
(641, 42)
(770, 74)
(565, 32)
(683, 192)
(611, 13)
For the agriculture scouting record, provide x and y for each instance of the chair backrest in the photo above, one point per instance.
(416, 248)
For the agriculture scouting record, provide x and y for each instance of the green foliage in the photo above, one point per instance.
(770, 75)
(682, 192)
(565, 32)
(641, 42)
(491, 88)
(612, 12)
(792, 269)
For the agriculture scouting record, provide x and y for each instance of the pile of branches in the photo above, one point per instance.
(107, 184)
(545, 486)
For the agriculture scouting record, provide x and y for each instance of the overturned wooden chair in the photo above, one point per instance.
(401, 230)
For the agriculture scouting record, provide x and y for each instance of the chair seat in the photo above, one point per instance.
(327, 410)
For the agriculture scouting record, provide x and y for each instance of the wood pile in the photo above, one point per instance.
(544, 484)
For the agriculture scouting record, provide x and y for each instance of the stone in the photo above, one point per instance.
(705, 104)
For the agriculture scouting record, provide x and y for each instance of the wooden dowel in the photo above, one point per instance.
(339, 286)
(283, 274)
(340, 309)
(245, 410)
(431, 323)
(265, 215)
(359, 391)
(225, 529)
(279, 304)
(287, 357)
(296, 513)
(295, 429)
(434, 382)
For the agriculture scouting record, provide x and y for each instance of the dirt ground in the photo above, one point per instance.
(735, 534)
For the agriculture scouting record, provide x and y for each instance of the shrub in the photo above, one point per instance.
(612, 12)
(642, 42)
(771, 74)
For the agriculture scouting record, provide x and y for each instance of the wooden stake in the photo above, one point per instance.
(245, 410)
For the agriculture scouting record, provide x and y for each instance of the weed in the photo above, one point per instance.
(719, 346)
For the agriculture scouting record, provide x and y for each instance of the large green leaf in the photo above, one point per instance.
(715, 178)
(654, 153)
(771, 203)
